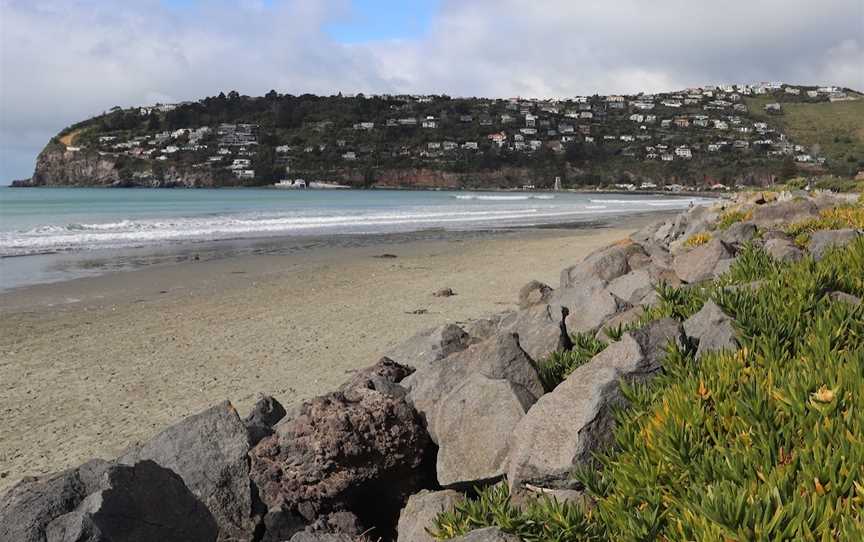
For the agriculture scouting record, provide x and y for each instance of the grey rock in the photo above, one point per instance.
(444, 292)
(209, 452)
(430, 346)
(540, 328)
(822, 241)
(738, 234)
(843, 297)
(136, 503)
(489, 534)
(722, 267)
(500, 357)
(699, 264)
(483, 328)
(632, 286)
(622, 319)
(712, 328)
(698, 219)
(29, 506)
(473, 424)
(784, 212)
(575, 419)
(590, 315)
(264, 415)
(602, 265)
(533, 293)
(421, 510)
(783, 250)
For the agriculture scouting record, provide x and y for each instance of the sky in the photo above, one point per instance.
(62, 61)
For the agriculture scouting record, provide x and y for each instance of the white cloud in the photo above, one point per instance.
(64, 60)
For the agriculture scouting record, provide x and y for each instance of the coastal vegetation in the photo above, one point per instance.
(760, 443)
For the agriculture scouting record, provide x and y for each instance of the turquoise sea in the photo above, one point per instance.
(92, 222)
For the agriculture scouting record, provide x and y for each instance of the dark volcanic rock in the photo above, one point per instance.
(135, 504)
(264, 415)
(383, 377)
(362, 452)
(29, 506)
(209, 452)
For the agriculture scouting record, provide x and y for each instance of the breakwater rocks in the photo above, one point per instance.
(449, 410)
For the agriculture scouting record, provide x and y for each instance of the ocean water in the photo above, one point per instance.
(81, 222)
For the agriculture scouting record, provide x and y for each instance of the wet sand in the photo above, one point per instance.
(93, 365)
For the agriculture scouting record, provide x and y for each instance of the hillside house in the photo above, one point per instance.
(350, 156)
(408, 121)
(498, 138)
(666, 157)
(429, 123)
(470, 145)
(683, 152)
(682, 122)
(530, 121)
(449, 145)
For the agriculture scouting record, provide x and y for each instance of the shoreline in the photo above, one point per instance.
(135, 350)
(27, 270)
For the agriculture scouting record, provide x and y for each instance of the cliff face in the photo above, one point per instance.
(57, 165)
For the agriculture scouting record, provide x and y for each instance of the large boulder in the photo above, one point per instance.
(699, 263)
(712, 328)
(540, 329)
(587, 316)
(209, 452)
(601, 265)
(634, 285)
(566, 426)
(360, 450)
(738, 234)
(430, 346)
(498, 358)
(134, 504)
(488, 534)
(421, 510)
(29, 506)
(473, 439)
(822, 241)
(783, 250)
(533, 293)
(784, 212)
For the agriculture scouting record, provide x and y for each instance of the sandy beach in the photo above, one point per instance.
(90, 366)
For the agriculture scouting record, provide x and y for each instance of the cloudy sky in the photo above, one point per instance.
(65, 60)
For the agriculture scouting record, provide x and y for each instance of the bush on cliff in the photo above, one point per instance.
(760, 444)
